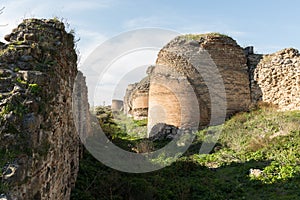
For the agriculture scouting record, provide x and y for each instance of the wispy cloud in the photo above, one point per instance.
(116, 59)
(86, 5)
(235, 33)
(144, 22)
(25, 9)
(15, 11)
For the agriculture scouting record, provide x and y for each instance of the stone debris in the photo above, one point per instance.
(163, 131)
(9, 171)
(3, 197)
(255, 173)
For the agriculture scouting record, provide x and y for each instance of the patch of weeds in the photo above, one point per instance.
(277, 172)
(12, 47)
(199, 36)
(34, 88)
(21, 81)
(18, 109)
(6, 109)
(4, 187)
(17, 69)
(142, 122)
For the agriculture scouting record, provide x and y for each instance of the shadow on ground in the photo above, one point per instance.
(181, 180)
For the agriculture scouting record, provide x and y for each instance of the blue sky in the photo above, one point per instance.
(267, 25)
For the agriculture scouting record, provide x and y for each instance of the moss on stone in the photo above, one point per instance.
(34, 88)
(199, 36)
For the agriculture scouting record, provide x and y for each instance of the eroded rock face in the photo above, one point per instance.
(136, 98)
(39, 145)
(277, 79)
(127, 99)
(169, 94)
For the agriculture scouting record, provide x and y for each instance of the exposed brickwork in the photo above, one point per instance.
(176, 61)
(136, 98)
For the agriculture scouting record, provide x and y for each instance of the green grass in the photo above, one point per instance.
(118, 125)
(261, 139)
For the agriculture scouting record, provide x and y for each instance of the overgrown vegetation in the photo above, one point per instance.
(117, 125)
(263, 140)
(199, 36)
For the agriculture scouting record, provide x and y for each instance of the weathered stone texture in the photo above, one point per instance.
(128, 100)
(252, 62)
(278, 77)
(177, 58)
(136, 98)
(81, 107)
(38, 137)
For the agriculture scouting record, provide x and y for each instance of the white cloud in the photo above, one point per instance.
(234, 33)
(16, 11)
(127, 69)
(120, 56)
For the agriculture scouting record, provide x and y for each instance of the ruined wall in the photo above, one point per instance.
(248, 79)
(81, 108)
(38, 140)
(276, 79)
(139, 99)
(128, 100)
(255, 91)
(176, 65)
(136, 98)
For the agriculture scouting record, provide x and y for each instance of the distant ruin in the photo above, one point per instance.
(248, 78)
(137, 98)
(117, 105)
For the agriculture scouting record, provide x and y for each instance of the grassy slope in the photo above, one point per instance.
(247, 142)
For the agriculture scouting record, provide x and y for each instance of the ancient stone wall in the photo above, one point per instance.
(136, 98)
(248, 79)
(39, 145)
(81, 108)
(128, 99)
(276, 79)
(255, 91)
(176, 64)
